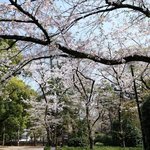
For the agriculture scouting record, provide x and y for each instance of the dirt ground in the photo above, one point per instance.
(21, 148)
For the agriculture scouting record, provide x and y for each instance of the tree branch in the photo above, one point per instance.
(16, 20)
(119, 5)
(24, 38)
(82, 55)
(33, 18)
(25, 62)
(95, 58)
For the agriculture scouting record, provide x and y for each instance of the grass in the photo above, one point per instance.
(47, 148)
(96, 148)
(102, 148)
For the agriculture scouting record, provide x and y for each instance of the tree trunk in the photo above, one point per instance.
(48, 137)
(18, 135)
(122, 139)
(3, 136)
(56, 137)
(34, 138)
(91, 142)
(139, 110)
(43, 141)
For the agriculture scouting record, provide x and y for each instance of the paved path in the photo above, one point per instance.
(21, 148)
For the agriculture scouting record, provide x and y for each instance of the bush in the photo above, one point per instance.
(103, 138)
(47, 148)
(130, 134)
(76, 141)
(102, 148)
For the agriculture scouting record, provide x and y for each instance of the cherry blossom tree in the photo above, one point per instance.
(78, 29)
(128, 82)
(96, 102)
(55, 98)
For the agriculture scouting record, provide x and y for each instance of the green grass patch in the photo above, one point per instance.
(102, 148)
(47, 148)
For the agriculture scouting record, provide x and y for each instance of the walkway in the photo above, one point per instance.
(21, 148)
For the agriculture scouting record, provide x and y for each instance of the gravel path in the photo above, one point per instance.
(21, 148)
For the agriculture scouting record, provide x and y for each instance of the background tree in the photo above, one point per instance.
(13, 116)
(95, 103)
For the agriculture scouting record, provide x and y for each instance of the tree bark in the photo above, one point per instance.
(139, 110)
(90, 138)
(48, 136)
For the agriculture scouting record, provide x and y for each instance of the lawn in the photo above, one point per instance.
(102, 148)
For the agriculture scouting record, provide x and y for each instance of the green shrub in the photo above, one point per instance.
(76, 141)
(103, 138)
(102, 148)
(130, 134)
(99, 144)
(47, 148)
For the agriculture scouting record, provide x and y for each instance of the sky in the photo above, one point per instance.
(3, 1)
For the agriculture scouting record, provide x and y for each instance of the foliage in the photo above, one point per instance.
(102, 148)
(47, 148)
(78, 135)
(13, 116)
(76, 142)
(106, 139)
(130, 134)
(9, 58)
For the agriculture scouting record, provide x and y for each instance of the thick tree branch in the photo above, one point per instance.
(95, 58)
(16, 20)
(24, 38)
(109, 7)
(146, 12)
(82, 55)
(120, 4)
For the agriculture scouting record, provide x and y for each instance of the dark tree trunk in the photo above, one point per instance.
(48, 136)
(91, 142)
(139, 110)
(145, 120)
(34, 136)
(122, 139)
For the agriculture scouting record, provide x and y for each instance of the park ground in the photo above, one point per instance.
(21, 148)
(64, 148)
